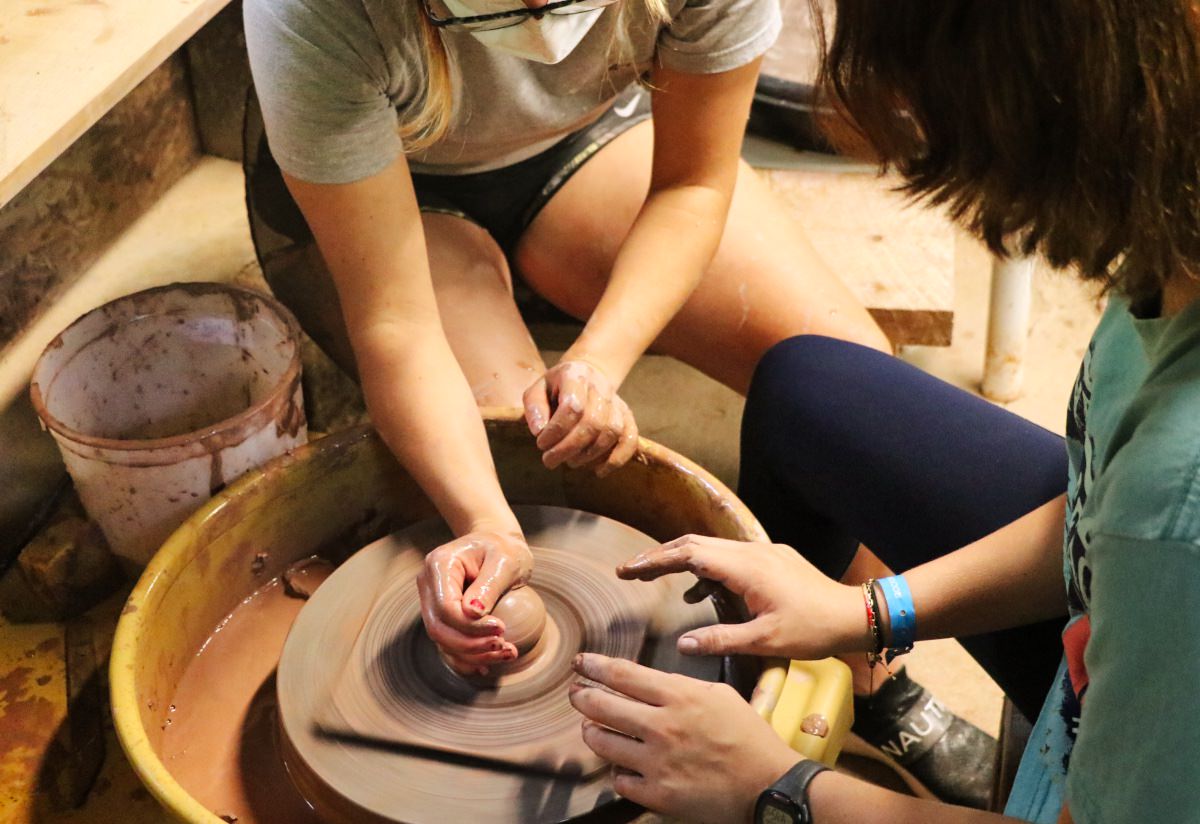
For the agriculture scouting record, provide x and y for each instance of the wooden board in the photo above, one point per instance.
(897, 257)
(64, 63)
(62, 222)
(219, 69)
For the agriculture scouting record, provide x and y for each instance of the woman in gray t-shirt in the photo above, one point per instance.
(432, 144)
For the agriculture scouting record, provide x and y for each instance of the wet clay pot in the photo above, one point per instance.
(160, 398)
(336, 495)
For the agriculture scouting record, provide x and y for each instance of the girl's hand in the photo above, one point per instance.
(798, 612)
(578, 419)
(461, 583)
(690, 749)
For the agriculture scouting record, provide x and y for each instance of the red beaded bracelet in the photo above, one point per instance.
(869, 599)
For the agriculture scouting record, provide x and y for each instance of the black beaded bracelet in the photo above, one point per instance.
(872, 603)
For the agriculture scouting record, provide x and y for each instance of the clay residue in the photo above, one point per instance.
(246, 304)
(27, 723)
(216, 474)
(222, 744)
(290, 419)
(301, 579)
(815, 724)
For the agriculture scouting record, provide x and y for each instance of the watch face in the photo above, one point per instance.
(776, 808)
(773, 814)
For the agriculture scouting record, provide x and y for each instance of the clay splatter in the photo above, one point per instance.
(27, 723)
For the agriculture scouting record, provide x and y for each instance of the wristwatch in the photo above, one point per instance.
(786, 801)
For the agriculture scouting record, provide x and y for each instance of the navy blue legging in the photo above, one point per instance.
(843, 445)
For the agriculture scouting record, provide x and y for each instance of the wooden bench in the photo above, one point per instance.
(98, 122)
(897, 257)
(66, 63)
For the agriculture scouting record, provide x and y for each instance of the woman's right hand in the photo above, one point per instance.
(798, 611)
(579, 420)
(460, 585)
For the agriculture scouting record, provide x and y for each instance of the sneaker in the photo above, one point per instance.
(952, 758)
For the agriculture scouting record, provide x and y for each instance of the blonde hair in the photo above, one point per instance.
(429, 118)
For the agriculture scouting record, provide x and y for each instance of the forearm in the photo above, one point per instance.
(371, 235)
(1009, 578)
(699, 122)
(839, 799)
(425, 413)
(661, 262)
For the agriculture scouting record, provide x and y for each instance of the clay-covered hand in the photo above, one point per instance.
(578, 418)
(459, 587)
(798, 612)
(686, 748)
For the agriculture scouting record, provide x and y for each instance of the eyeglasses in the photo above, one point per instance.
(514, 17)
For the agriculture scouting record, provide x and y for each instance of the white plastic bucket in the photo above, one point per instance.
(160, 398)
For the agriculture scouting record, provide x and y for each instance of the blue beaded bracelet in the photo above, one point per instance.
(901, 615)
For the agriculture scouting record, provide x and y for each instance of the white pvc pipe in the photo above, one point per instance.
(1008, 328)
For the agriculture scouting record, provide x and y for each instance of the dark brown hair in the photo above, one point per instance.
(1070, 128)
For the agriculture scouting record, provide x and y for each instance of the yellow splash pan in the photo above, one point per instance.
(346, 490)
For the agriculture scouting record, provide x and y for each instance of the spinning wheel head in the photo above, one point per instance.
(380, 729)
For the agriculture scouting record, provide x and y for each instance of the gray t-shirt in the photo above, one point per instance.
(334, 76)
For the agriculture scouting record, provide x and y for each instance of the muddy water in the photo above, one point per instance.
(221, 740)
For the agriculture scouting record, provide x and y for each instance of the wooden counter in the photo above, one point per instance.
(64, 63)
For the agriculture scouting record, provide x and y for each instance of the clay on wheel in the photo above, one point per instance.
(378, 728)
(524, 615)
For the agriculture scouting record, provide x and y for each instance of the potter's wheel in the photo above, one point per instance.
(377, 728)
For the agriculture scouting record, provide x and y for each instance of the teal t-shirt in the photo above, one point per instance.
(1117, 736)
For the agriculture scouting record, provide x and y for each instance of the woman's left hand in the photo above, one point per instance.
(459, 586)
(686, 748)
(578, 418)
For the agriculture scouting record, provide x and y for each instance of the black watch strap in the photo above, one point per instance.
(786, 801)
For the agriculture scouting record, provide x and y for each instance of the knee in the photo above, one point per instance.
(781, 403)
(574, 289)
(790, 375)
(477, 267)
(489, 273)
(801, 390)
(464, 260)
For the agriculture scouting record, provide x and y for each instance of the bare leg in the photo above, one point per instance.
(765, 283)
(473, 287)
(474, 294)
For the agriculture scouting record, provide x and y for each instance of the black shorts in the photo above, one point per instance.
(503, 201)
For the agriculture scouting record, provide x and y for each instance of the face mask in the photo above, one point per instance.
(548, 40)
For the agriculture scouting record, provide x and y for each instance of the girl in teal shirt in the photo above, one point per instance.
(1063, 128)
